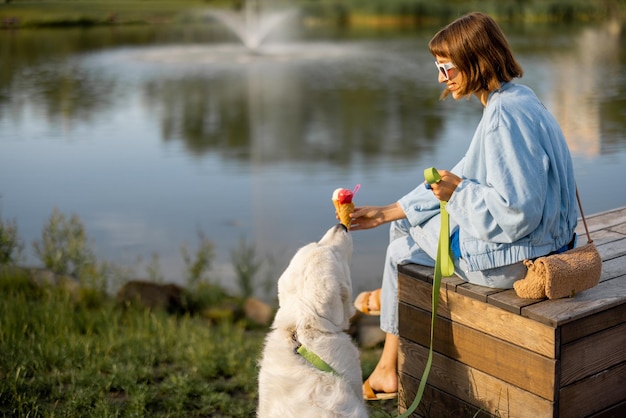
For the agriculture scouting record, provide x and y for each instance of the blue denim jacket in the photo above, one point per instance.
(517, 199)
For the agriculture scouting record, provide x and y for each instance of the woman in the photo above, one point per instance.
(511, 197)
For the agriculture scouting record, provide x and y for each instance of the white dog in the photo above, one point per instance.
(310, 367)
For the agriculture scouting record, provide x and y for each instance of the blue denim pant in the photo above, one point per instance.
(418, 245)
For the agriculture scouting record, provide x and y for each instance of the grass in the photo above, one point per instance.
(62, 357)
(66, 356)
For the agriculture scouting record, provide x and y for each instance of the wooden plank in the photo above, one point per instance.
(613, 268)
(511, 363)
(480, 293)
(472, 386)
(594, 394)
(612, 249)
(558, 312)
(613, 411)
(451, 283)
(621, 229)
(590, 355)
(601, 237)
(605, 220)
(508, 300)
(482, 317)
(593, 323)
(417, 271)
(426, 274)
(435, 403)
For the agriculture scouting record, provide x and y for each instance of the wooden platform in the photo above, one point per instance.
(497, 354)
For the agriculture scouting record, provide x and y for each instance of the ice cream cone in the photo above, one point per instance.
(344, 211)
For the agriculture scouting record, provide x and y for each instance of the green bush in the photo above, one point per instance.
(10, 245)
(65, 247)
(247, 265)
(198, 266)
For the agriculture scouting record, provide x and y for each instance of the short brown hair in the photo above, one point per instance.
(478, 48)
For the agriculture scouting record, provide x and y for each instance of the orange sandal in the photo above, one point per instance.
(368, 302)
(370, 395)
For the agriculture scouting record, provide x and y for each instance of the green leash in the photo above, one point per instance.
(444, 266)
(444, 259)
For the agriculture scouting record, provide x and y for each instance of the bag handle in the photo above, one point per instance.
(582, 215)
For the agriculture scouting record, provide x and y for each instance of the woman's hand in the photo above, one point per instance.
(367, 217)
(443, 189)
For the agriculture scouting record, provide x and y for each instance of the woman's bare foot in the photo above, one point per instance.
(383, 380)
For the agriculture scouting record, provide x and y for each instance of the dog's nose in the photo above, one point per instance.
(345, 228)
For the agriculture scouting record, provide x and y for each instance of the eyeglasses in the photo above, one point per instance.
(444, 68)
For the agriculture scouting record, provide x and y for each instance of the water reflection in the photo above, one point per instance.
(299, 108)
(150, 137)
(586, 76)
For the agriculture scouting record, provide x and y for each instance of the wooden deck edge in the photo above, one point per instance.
(482, 317)
(591, 324)
(516, 365)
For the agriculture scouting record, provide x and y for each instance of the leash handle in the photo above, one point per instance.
(443, 249)
(444, 266)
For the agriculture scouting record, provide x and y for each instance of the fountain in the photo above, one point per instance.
(253, 24)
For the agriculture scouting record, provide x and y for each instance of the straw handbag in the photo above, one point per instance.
(564, 274)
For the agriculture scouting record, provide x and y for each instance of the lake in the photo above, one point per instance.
(156, 135)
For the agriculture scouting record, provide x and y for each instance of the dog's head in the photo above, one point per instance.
(315, 291)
